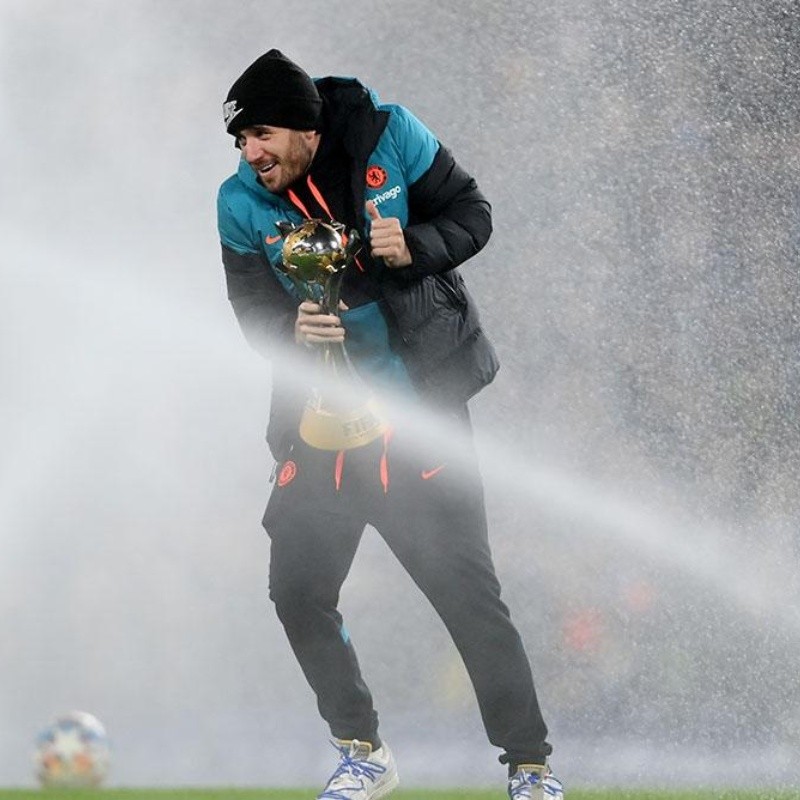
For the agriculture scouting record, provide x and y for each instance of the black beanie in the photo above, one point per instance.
(272, 91)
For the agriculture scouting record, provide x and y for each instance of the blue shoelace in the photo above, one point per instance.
(355, 767)
(519, 789)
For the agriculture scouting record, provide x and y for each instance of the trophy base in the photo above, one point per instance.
(343, 430)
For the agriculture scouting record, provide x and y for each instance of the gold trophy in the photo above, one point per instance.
(336, 417)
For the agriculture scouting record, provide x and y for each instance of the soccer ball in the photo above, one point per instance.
(72, 752)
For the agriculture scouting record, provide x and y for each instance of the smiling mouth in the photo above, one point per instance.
(265, 169)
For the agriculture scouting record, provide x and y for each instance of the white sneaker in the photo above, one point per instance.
(534, 782)
(362, 774)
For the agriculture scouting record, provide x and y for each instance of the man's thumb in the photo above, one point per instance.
(372, 210)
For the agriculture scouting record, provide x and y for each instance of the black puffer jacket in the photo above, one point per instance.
(433, 320)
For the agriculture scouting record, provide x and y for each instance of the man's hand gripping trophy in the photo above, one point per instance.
(315, 256)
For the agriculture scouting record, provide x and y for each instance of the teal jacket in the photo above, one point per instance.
(402, 154)
(396, 162)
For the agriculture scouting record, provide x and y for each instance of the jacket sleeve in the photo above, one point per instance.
(449, 218)
(264, 310)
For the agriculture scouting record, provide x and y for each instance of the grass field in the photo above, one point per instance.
(407, 794)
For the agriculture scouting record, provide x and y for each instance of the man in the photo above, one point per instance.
(327, 150)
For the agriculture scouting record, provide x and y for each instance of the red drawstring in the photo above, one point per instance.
(337, 473)
(317, 194)
(384, 470)
(299, 203)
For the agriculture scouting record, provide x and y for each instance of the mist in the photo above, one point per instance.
(640, 445)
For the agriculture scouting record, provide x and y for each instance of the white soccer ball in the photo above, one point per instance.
(72, 752)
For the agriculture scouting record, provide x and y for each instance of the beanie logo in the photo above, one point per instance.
(376, 176)
(229, 111)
